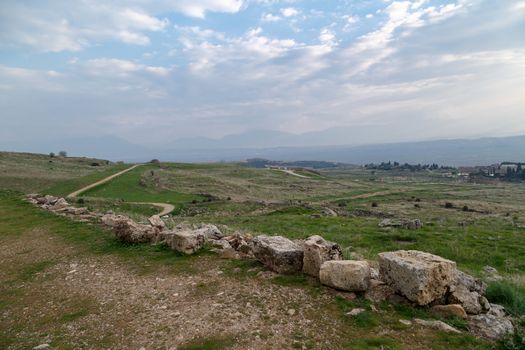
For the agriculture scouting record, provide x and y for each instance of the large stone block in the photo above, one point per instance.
(349, 275)
(278, 253)
(421, 277)
(317, 250)
(186, 241)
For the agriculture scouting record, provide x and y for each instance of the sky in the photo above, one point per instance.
(152, 72)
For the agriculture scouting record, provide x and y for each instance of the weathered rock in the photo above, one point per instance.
(329, 212)
(50, 200)
(355, 312)
(406, 224)
(497, 310)
(131, 232)
(220, 244)
(278, 253)
(469, 300)
(59, 204)
(157, 222)
(209, 231)
(317, 250)
(187, 242)
(420, 277)
(452, 310)
(471, 283)
(349, 275)
(378, 291)
(437, 325)
(490, 326)
(240, 244)
(113, 220)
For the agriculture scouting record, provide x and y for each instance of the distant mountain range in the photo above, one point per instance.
(290, 147)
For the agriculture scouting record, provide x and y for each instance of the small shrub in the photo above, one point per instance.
(465, 208)
(80, 201)
(341, 204)
(229, 198)
(154, 161)
(62, 154)
(374, 205)
(449, 205)
(194, 201)
(418, 199)
(417, 206)
(508, 295)
(52, 154)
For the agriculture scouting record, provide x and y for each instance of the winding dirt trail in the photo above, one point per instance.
(100, 182)
(166, 208)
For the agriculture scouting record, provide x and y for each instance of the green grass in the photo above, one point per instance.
(209, 344)
(134, 186)
(508, 295)
(28, 271)
(379, 343)
(66, 187)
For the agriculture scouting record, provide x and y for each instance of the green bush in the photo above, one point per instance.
(508, 295)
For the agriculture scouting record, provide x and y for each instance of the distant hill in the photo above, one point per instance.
(456, 152)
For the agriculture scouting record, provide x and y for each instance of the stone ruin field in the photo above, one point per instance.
(250, 258)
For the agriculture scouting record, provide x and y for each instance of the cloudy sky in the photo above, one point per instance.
(152, 72)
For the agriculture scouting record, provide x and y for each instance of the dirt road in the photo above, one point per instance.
(166, 207)
(103, 181)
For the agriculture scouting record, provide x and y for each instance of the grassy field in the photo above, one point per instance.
(29, 173)
(473, 224)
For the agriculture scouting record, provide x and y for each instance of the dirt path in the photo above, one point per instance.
(100, 182)
(375, 194)
(291, 172)
(166, 207)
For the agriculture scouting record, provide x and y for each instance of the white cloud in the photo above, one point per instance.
(268, 17)
(289, 12)
(198, 8)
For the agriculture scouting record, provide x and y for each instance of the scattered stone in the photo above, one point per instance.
(405, 224)
(41, 346)
(278, 253)
(452, 310)
(471, 283)
(220, 244)
(59, 204)
(209, 231)
(329, 212)
(157, 222)
(317, 250)
(469, 300)
(406, 322)
(437, 325)
(421, 277)
(186, 242)
(497, 310)
(291, 312)
(355, 312)
(349, 275)
(490, 326)
(131, 232)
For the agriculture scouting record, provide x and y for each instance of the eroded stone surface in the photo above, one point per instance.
(278, 253)
(349, 275)
(317, 250)
(420, 277)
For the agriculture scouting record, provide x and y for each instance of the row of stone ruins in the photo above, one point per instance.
(414, 277)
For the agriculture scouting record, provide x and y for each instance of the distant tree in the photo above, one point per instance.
(62, 154)
(154, 161)
(52, 154)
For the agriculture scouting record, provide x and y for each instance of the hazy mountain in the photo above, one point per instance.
(444, 152)
(291, 148)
